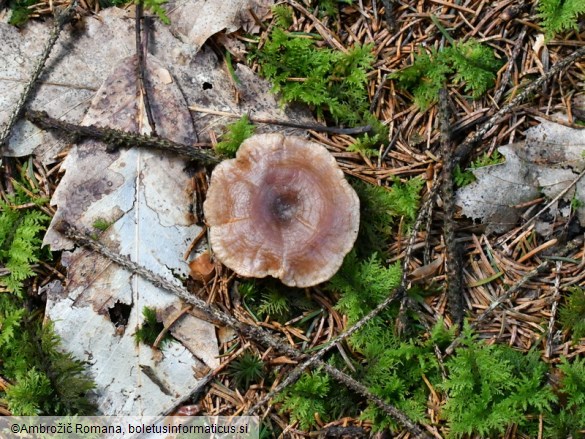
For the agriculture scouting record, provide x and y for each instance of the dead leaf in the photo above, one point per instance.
(546, 163)
(82, 58)
(197, 20)
(201, 268)
(142, 194)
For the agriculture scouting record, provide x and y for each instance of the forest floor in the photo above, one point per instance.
(518, 286)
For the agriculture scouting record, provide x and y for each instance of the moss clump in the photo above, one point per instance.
(468, 62)
(330, 81)
(235, 134)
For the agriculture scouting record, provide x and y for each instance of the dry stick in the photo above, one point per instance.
(389, 15)
(121, 139)
(142, 89)
(285, 123)
(553, 312)
(60, 21)
(378, 93)
(508, 72)
(453, 253)
(256, 333)
(571, 246)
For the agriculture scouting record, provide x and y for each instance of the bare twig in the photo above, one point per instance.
(465, 148)
(453, 259)
(60, 21)
(121, 139)
(389, 14)
(141, 77)
(548, 350)
(256, 333)
(508, 73)
(285, 123)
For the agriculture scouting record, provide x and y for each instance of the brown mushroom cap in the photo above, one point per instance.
(282, 208)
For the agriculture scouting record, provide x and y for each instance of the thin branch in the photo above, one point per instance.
(141, 79)
(453, 260)
(60, 21)
(548, 350)
(508, 73)
(389, 15)
(121, 139)
(285, 123)
(256, 333)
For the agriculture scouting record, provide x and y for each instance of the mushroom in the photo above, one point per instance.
(282, 208)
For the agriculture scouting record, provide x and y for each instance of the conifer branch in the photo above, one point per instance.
(122, 139)
(453, 262)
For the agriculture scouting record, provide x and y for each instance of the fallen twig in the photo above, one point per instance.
(141, 78)
(122, 139)
(548, 350)
(285, 123)
(453, 258)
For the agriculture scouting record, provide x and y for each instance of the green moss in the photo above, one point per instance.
(569, 419)
(305, 398)
(381, 208)
(491, 387)
(102, 224)
(467, 62)
(45, 380)
(560, 15)
(235, 134)
(269, 297)
(150, 328)
(20, 11)
(572, 313)
(20, 235)
(463, 178)
(246, 370)
(283, 16)
(330, 81)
